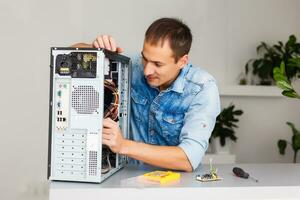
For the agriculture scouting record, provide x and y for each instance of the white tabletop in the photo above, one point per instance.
(276, 181)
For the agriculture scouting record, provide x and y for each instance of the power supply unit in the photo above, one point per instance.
(86, 86)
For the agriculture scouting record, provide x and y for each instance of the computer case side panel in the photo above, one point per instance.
(50, 117)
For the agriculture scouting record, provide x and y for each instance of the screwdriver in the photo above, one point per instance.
(241, 173)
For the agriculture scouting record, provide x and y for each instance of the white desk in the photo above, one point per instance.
(276, 181)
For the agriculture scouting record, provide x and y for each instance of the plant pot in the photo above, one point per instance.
(210, 148)
(266, 82)
(219, 149)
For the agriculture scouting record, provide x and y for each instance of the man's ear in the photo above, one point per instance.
(183, 61)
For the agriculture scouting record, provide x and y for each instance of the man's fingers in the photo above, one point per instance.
(106, 142)
(82, 45)
(119, 50)
(95, 44)
(106, 42)
(108, 123)
(112, 43)
(99, 42)
(107, 131)
(106, 137)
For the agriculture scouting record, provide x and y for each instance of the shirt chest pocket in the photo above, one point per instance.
(171, 126)
(138, 106)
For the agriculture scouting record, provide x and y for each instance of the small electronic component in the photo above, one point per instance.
(208, 177)
(162, 177)
(211, 176)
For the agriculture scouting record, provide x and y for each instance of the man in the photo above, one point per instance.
(174, 104)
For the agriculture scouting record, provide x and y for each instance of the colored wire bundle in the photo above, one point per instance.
(111, 109)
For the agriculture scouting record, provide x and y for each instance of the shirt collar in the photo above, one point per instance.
(178, 84)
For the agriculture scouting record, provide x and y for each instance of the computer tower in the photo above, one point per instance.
(86, 85)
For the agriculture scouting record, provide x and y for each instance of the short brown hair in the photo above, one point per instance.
(178, 34)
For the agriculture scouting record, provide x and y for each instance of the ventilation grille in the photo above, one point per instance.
(93, 163)
(85, 99)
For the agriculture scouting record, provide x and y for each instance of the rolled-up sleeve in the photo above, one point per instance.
(199, 122)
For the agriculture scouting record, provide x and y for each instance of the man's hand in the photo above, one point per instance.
(112, 136)
(102, 41)
(171, 157)
(82, 45)
(107, 42)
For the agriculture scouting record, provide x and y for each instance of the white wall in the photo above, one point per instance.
(28, 29)
(226, 33)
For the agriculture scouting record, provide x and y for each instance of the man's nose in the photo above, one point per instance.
(148, 69)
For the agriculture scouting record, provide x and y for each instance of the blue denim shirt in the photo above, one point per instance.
(183, 115)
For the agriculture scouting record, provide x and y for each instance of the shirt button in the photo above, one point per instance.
(152, 132)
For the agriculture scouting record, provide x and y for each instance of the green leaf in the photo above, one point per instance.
(227, 131)
(282, 67)
(284, 85)
(297, 48)
(281, 145)
(292, 40)
(231, 107)
(262, 46)
(265, 46)
(296, 142)
(234, 120)
(247, 68)
(280, 43)
(294, 62)
(234, 125)
(278, 76)
(277, 70)
(279, 48)
(295, 131)
(233, 137)
(291, 94)
(265, 69)
(238, 112)
(256, 64)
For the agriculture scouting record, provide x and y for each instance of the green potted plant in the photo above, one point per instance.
(224, 128)
(295, 142)
(271, 57)
(290, 89)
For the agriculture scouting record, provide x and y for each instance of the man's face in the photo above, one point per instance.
(160, 68)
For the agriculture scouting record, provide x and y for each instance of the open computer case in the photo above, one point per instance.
(86, 85)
